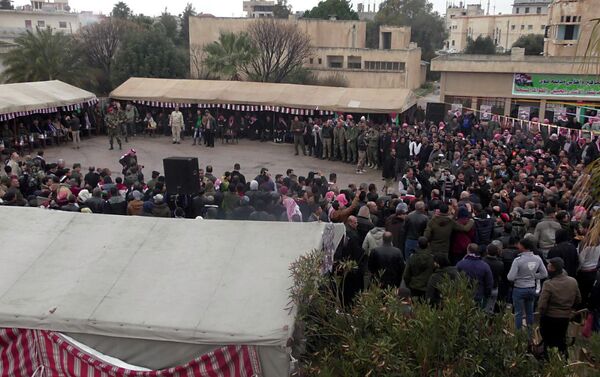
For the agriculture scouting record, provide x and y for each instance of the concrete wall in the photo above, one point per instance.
(362, 79)
(330, 38)
(400, 36)
(12, 23)
(587, 10)
(503, 29)
(323, 33)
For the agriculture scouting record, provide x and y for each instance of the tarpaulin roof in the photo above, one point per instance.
(357, 100)
(35, 96)
(190, 281)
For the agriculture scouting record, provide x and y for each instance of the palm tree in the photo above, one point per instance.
(44, 55)
(229, 56)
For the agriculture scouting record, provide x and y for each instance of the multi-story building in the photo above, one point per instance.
(570, 26)
(259, 8)
(565, 80)
(339, 49)
(528, 17)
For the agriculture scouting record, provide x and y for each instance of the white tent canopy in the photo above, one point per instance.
(365, 100)
(192, 282)
(29, 97)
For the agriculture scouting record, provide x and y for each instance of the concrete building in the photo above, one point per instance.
(472, 22)
(570, 26)
(259, 8)
(531, 6)
(339, 49)
(520, 86)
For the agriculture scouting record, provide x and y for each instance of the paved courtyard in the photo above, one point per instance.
(251, 155)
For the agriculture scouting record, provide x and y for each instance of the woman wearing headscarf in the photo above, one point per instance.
(292, 210)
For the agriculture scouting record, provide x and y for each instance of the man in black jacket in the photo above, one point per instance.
(386, 263)
(351, 250)
(497, 267)
(415, 225)
(566, 250)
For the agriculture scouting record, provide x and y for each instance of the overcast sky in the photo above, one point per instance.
(228, 8)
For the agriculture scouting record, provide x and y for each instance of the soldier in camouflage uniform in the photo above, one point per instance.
(373, 149)
(339, 140)
(351, 142)
(112, 127)
(122, 121)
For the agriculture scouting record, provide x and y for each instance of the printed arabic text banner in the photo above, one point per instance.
(544, 85)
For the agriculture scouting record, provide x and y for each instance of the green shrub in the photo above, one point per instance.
(382, 335)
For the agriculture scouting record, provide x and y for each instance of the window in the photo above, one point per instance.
(320, 61)
(28, 24)
(529, 27)
(354, 62)
(310, 61)
(568, 19)
(538, 10)
(387, 40)
(567, 32)
(453, 43)
(384, 66)
(63, 25)
(517, 11)
(41, 23)
(522, 27)
(512, 27)
(526, 10)
(335, 61)
(543, 27)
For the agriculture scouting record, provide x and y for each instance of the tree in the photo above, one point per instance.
(184, 20)
(341, 9)
(427, 27)
(149, 53)
(143, 21)
(481, 45)
(170, 24)
(282, 9)
(43, 55)
(282, 49)
(532, 43)
(229, 56)
(100, 43)
(121, 10)
(6, 4)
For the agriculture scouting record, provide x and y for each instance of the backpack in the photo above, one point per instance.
(519, 229)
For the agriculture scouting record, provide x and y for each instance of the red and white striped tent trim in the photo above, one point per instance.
(48, 110)
(235, 107)
(40, 353)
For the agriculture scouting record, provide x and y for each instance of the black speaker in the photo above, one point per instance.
(435, 112)
(181, 175)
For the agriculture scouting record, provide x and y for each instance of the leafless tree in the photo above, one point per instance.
(100, 43)
(282, 49)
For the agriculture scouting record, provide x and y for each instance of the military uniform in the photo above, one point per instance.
(298, 131)
(339, 142)
(351, 137)
(327, 136)
(373, 149)
(122, 122)
(112, 127)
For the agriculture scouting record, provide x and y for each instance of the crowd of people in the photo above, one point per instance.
(492, 201)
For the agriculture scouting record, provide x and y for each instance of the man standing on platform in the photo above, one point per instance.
(339, 140)
(112, 126)
(122, 121)
(351, 145)
(327, 136)
(176, 124)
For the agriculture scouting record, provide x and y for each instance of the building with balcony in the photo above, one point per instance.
(470, 22)
(570, 26)
(259, 8)
(339, 49)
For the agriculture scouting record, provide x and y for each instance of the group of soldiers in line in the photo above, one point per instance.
(340, 139)
(121, 122)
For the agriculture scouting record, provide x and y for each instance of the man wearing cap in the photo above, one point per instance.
(396, 223)
(160, 208)
(136, 206)
(351, 144)
(176, 124)
(339, 140)
(560, 294)
(112, 126)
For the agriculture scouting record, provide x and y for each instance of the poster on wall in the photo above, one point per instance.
(485, 112)
(545, 85)
(524, 112)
